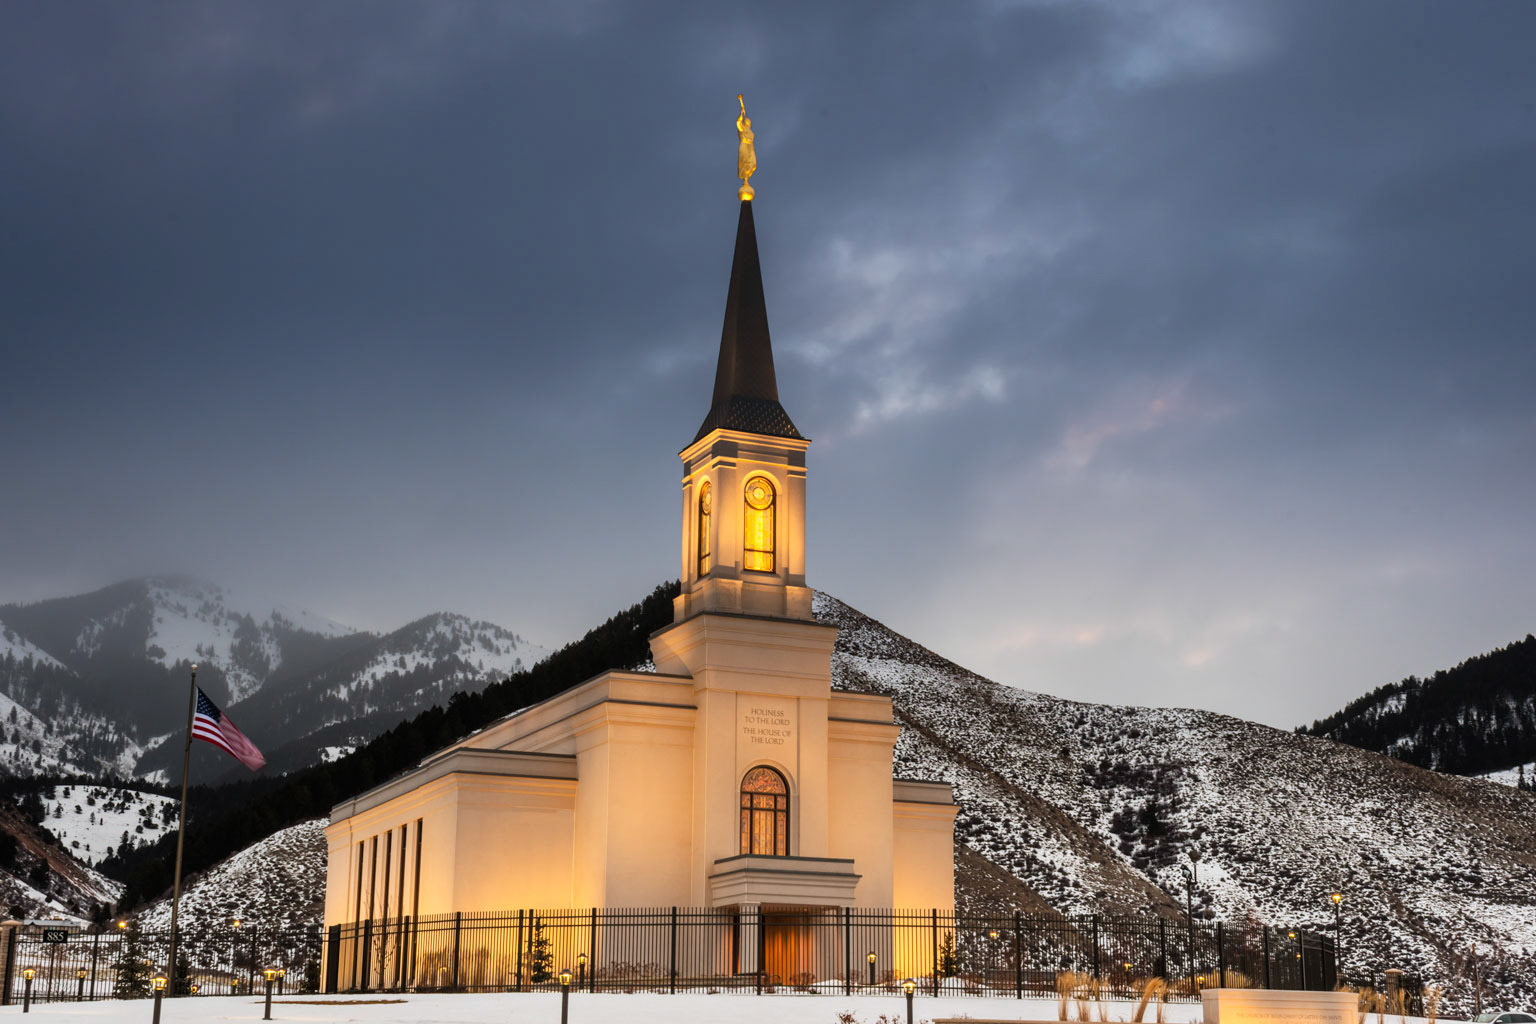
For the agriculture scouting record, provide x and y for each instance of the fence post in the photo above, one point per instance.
(762, 935)
(1162, 948)
(95, 957)
(934, 936)
(847, 951)
(1095, 945)
(10, 964)
(1018, 957)
(592, 955)
(1301, 954)
(1221, 955)
(458, 927)
(517, 983)
(672, 974)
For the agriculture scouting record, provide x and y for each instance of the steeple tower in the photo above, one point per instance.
(744, 474)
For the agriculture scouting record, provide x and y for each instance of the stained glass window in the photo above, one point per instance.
(704, 514)
(758, 525)
(765, 813)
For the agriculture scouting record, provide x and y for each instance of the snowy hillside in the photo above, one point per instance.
(1095, 807)
(91, 820)
(277, 882)
(38, 878)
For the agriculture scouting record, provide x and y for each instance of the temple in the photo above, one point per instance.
(733, 776)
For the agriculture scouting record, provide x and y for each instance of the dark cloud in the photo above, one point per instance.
(1172, 352)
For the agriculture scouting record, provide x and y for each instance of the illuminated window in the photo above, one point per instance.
(758, 525)
(704, 548)
(765, 813)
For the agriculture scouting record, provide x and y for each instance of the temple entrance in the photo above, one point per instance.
(802, 947)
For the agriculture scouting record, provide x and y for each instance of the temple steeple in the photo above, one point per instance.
(746, 390)
(744, 474)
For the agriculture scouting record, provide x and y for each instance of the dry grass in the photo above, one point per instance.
(1432, 995)
(1370, 1001)
(1155, 990)
(1066, 984)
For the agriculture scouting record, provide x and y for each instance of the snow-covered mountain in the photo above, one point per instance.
(40, 879)
(90, 821)
(96, 684)
(1095, 807)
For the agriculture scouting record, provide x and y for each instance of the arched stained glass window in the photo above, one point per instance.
(705, 499)
(758, 525)
(765, 813)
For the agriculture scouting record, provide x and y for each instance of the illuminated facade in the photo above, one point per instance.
(731, 776)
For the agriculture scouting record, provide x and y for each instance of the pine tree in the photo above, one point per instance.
(541, 957)
(133, 970)
(947, 965)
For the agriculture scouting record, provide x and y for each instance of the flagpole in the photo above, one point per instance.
(181, 829)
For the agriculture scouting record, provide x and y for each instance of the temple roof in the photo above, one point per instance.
(746, 390)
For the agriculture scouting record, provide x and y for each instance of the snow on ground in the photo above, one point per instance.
(544, 1008)
(14, 645)
(89, 819)
(1510, 776)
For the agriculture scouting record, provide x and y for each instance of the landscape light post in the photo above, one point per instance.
(271, 976)
(159, 984)
(871, 958)
(581, 971)
(26, 993)
(282, 972)
(80, 995)
(909, 986)
(565, 995)
(1337, 898)
(993, 956)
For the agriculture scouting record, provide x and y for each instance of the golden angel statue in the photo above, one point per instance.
(746, 155)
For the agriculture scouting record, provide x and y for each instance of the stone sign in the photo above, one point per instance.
(766, 723)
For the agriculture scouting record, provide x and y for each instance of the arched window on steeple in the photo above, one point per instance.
(757, 525)
(764, 813)
(705, 561)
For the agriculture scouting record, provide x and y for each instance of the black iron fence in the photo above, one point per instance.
(113, 963)
(849, 951)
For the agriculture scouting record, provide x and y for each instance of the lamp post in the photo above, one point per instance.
(909, 986)
(871, 958)
(565, 995)
(1192, 873)
(80, 994)
(26, 993)
(271, 975)
(1338, 948)
(159, 984)
(581, 971)
(993, 957)
(282, 972)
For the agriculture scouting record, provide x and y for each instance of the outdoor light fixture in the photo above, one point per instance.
(122, 924)
(1127, 967)
(1337, 898)
(194, 990)
(581, 970)
(992, 934)
(282, 972)
(26, 996)
(80, 995)
(235, 923)
(871, 958)
(271, 975)
(909, 986)
(159, 984)
(565, 995)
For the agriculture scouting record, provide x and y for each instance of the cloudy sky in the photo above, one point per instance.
(1174, 353)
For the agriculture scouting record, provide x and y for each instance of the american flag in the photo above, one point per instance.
(213, 725)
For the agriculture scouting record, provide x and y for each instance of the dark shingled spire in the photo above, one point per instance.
(746, 390)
